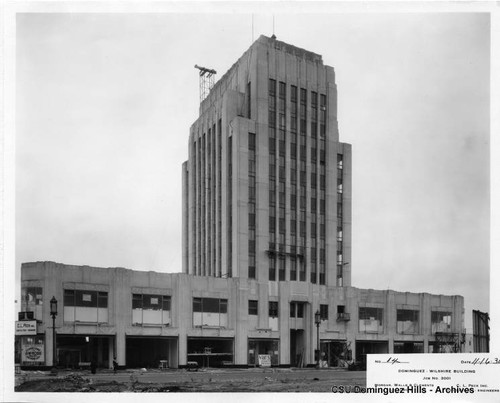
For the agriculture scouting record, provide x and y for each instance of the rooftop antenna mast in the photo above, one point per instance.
(252, 28)
(207, 80)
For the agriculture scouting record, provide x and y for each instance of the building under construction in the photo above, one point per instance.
(267, 209)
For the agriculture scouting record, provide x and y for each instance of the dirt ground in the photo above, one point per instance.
(209, 382)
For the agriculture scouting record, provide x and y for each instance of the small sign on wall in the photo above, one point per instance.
(32, 353)
(264, 360)
(26, 328)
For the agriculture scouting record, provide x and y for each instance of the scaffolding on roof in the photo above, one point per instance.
(207, 80)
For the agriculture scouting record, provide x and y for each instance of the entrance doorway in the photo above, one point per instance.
(150, 352)
(297, 348)
(335, 353)
(370, 347)
(75, 351)
(210, 351)
(257, 347)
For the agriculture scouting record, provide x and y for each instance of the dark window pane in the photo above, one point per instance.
(86, 298)
(251, 272)
(102, 299)
(223, 306)
(323, 310)
(273, 309)
(166, 303)
(69, 297)
(197, 305)
(300, 310)
(253, 307)
(211, 305)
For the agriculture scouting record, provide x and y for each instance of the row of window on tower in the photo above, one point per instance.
(207, 179)
(305, 158)
(251, 205)
(340, 219)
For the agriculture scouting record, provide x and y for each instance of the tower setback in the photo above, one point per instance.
(267, 186)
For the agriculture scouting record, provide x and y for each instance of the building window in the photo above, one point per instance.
(272, 221)
(339, 258)
(340, 161)
(293, 94)
(302, 273)
(322, 274)
(272, 146)
(272, 87)
(32, 301)
(407, 321)
(440, 321)
(313, 271)
(210, 312)
(282, 272)
(371, 320)
(323, 312)
(252, 272)
(272, 119)
(253, 307)
(273, 309)
(322, 109)
(340, 274)
(272, 269)
(342, 314)
(251, 247)
(296, 309)
(249, 99)
(339, 185)
(85, 306)
(151, 309)
(293, 268)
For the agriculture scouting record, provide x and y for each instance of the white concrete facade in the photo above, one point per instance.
(236, 327)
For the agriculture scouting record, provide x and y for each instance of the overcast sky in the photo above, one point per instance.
(105, 102)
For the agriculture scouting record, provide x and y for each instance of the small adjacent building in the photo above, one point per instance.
(481, 331)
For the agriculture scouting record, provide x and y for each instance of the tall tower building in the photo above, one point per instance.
(267, 186)
(266, 248)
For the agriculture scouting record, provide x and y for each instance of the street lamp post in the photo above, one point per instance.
(53, 313)
(317, 321)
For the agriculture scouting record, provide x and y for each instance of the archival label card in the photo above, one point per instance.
(434, 374)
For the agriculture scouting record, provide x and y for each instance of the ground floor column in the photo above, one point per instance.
(390, 347)
(49, 347)
(121, 351)
(240, 348)
(111, 351)
(173, 353)
(182, 349)
(353, 348)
